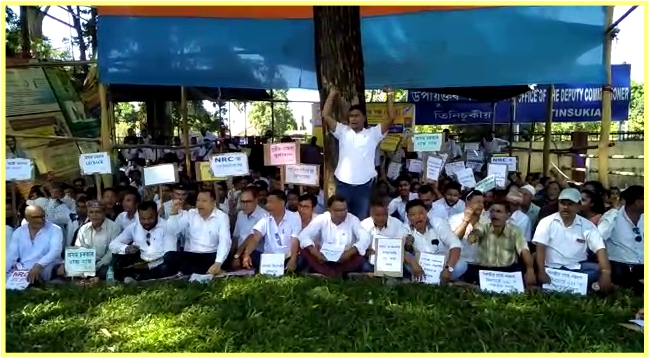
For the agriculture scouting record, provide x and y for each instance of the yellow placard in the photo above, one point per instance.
(204, 173)
(403, 125)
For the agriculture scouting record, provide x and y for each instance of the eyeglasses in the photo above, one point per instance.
(637, 232)
(148, 237)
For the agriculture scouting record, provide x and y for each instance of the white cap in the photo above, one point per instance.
(530, 189)
(570, 194)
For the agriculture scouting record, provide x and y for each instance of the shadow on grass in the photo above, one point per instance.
(306, 314)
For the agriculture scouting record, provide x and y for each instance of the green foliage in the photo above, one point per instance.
(282, 120)
(308, 314)
(380, 96)
(41, 47)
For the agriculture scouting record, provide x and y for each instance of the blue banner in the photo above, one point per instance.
(571, 103)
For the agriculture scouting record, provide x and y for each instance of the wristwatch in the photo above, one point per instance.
(449, 268)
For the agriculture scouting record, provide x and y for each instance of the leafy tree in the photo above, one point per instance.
(40, 46)
(282, 120)
(636, 118)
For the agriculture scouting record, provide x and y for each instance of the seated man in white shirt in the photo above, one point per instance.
(207, 236)
(306, 205)
(96, 234)
(563, 239)
(140, 248)
(249, 215)
(380, 224)
(432, 235)
(177, 193)
(450, 204)
(279, 233)
(8, 233)
(334, 243)
(518, 218)
(397, 206)
(462, 224)
(130, 204)
(622, 231)
(36, 247)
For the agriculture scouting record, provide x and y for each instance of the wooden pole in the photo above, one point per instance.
(272, 116)
(546, 162)
(53, 137)
(98, 181)
(186, 130)
(105, 127)
(603, 145)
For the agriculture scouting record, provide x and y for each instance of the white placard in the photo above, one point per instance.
(272, 264)
(430, 142)
(160, 174)
(332, 252)
(415, 166)
(453, 167)
(201, 278)
(487, 184)
(302, 174)
(475, 166)
(434, 165)
(79, 261)
(510, 162)
(229, 164)
(501, 282)
(432, 265)
(95, 163)
(566, 281)
(394, 170)
(283, 153)
(474, 155)
(389, 255)
(472, 146)
(500, 172)
(466, 178)
(17, 280)
(19, 169)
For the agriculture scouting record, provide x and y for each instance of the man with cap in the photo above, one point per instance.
(563, 239)
(518, 218)
(527, 206)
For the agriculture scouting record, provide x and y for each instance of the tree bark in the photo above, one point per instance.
(76, 21)
(339, 62)
(25, 40)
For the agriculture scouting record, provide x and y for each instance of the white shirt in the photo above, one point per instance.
(394, 229)
(278, 237)
(167, 208)
(494, 146)
(123, 220)
(348, 233)
(161, 240)
(440, 209)
(567, 246)
(617, 231)
(522, 221)
(245, 223)
(9, 232)
(357, 152)
(44, 250)
(468, 252)
(451, 148)
(437, 229)
(201, 235)
(99, 240)
(399, 205)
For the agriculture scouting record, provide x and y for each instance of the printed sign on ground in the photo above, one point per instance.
(501, 282)
(17, 280)
(332, 252)
(432, 265)
(389, 257)
(19, 169)
(95, 163)
(229, 164)
(79, 262)
(272, 264)
(566, 281)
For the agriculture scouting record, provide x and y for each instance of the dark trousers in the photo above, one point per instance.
(357, 196)
(333, 269)
(125, 266)
(472, 276)
(190, 262)
(627, 276)
(256, 259)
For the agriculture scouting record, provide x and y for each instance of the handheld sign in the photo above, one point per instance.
(466, 177)
(434, 165)
(427, 142)
(302, 174)
(204, 172)
(272, 264)
(415, 165)
(79, 261)
(332, 252)
(389, 257)
(486, 184)
(474, 155)
(394, 169)
(500, 173)
(95, 163)
(432, 265)
(566, 281)
(160, 174)
(475, 166)
(501, 282)
(453, 167)
(471, 146)
(229, 164)
(19, 169)
(510, 162)
(17, 280)
(281, 154)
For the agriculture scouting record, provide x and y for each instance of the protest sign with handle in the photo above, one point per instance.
(95, 163)
(19, 169)
(302, 174)
(229, 164)
(430, 142)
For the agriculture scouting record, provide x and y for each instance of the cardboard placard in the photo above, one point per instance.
(272, 264)
(432, 265)
(302, 174)
(79, 261)
(453, 167)
(566, 281)
(433, 168)
(95, 163)
(229, 164)
(389, 257)
(466, 178)
(19, 169)
(429, 142)
(500, 173)
(276, 154)
(160, 174)
(415, 166)
(17, 280)
(501, 282)
(486, 184)
(472, 146)
(204, 172)
(510, 162)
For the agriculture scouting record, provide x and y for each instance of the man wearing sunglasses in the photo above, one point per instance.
(622, 230)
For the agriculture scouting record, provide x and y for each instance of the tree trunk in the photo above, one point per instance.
(92, 29)
(339, 62)
(25, 40)
(76, 21)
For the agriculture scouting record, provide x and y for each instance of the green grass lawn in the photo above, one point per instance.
(307, 314)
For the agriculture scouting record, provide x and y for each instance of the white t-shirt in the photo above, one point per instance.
(357, 151)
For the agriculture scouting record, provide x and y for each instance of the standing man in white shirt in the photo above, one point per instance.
(338, 234)
(450, 204)
(380, 224)
(249, 215)
(139, 250)
(450, 147)
(623, 233)
(355, 172)
(562, 241)
(278, 231)
(36, 247)
(492, 144)
(397, 206)
(207, 236)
